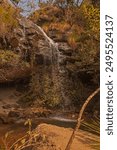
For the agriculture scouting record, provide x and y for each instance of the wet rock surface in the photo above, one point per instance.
(57, 65)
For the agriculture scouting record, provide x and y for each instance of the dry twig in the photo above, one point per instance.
(68, 147)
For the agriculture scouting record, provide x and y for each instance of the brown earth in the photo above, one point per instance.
(59, 136)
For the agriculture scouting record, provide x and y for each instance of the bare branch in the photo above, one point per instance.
(68, 147)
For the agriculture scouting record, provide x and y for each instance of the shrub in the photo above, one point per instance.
(9, 58)
(8, 17)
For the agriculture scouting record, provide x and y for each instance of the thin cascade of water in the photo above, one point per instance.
(55, 67)
(61, 79)
(56, 72)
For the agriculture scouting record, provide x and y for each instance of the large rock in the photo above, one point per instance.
(58, 137)
(25, 39)
(59, 70)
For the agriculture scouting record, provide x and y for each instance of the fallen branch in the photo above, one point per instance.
(68, 147)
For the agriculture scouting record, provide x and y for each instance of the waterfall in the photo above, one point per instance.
(59, 74)
(53, 72)
(54, 55)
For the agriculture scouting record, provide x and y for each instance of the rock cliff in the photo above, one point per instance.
(59, 75)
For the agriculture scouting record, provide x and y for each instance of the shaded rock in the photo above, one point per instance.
(14, 73)
(7, 106)
(14, 114)
(24, 39)
(19, 32)
(57, 36)
(14, 42)
(4, 119)
(65, 49)
(31, 32)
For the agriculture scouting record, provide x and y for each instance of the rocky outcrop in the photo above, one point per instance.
(25, 39)
(59, 74)
(29, 37)
(78, 79)
(32, 45)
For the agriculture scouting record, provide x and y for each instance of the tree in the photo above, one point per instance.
(68, 147)
(8, 17)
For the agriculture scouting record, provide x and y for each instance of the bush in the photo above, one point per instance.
(8, 17)
(10, 59)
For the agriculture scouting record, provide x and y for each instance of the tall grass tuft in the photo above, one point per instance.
(93, 126)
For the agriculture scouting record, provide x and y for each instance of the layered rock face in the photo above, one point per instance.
(58, 76)
(39, 54)
(23, 40)
(78, 79)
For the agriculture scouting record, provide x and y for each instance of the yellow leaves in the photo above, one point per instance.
(23, 141)
(59, 26)
(92, 17)
(47, 14)
(8, 57)
(7, 134)
(65, 26)
(28, 122)
(30, 138)
(1, 10)
(73, 40)
(35, 16)
(46, 27)
(35, 136)
(7, 18)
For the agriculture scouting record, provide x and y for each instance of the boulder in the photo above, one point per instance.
(24, 39)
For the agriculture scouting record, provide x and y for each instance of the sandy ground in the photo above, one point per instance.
(60, 137)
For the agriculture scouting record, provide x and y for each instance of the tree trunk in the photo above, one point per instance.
(68, 147)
